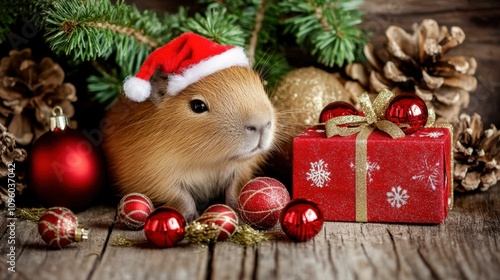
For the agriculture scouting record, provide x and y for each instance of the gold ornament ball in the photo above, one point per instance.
(299, 98)
(303, 93)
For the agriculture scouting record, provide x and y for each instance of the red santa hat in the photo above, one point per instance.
(186, 59)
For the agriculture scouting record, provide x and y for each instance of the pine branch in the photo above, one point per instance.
(271, 66)
(255, 33)
(217, 25)
(107, 87)
(175, 22)
(118, 35)
(259, 22)
(327, 28)
(8, 15)
(128, 31)
(99, 30)
(91, 29)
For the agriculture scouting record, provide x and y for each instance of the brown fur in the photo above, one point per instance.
(183, 159)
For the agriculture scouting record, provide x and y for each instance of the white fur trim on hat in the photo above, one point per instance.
(233, 57)
(137, 89)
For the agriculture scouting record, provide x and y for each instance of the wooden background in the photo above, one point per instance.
(480, 20)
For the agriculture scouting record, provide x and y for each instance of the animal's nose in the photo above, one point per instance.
(257, 127)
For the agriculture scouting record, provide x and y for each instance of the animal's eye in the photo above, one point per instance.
(198, 106)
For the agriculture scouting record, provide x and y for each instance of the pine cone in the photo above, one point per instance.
(477, 154)
(28, 93)
(12, 158)
(417, 63)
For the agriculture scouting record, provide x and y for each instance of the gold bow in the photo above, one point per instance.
(374, 113)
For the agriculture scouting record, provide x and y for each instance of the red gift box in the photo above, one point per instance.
(408, 180)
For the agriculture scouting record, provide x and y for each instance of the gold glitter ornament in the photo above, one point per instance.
(304, 92)
(299, 98)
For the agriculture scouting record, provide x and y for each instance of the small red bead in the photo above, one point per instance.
(165, 227)
(337, 109)
(407, 109)
(301, 219)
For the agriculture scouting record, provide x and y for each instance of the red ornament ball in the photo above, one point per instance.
(261, 201)
(65, 168)
(165, 227)
(58, 227)
(337, 109)
(134, 209)
(301, 219)
(407, 109)
(224, 217)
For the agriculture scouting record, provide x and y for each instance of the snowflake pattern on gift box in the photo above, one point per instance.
(432, 134)
(318, 173)
(428, 172)
(370, 168)
(397, 197)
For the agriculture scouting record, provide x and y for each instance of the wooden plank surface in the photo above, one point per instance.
(466, 246)
(144, 261)
(35, 261)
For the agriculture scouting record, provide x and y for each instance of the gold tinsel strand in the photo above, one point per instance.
(247, 236)
(30, 214)
(120, 241)
(201, 233)
(204, 234)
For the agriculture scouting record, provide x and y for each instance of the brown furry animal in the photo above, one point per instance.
(183, 150)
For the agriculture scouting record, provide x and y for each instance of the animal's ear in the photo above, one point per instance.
(159, 84)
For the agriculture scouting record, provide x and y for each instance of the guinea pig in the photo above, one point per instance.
(184, 150)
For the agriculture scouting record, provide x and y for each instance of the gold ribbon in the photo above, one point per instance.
(363, 126)
(452, 161)
(373, 119)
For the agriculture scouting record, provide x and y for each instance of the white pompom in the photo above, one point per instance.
(136, 89)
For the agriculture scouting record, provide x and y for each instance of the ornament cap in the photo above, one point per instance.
(59, 119)
(81, 234)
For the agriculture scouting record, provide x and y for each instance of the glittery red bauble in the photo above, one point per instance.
(134, 209)
(408, 109)
(337, 109)
(66, 169)
(222, 216)
(59, 228)
(301, 219)
(165, 227)
(261, 201)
